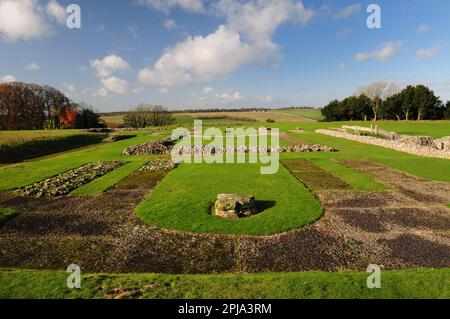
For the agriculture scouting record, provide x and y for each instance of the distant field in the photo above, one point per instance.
(113, 121)
(313, 114)
(280, 116)
(276, 115)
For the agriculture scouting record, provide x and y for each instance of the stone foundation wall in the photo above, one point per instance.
(402, 145)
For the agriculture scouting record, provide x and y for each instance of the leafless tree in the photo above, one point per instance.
(147, 115)
(378, 92)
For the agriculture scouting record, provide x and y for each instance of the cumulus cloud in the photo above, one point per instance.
(383, 53)
(245, 39)
(167, 5)
(198, 59)
(56, 11)
(33, 67)
(231, 98)
(347, 12)
(258, 20)
(22, 19)
(428, 53)
(109, 64)
(105, 68)
(114, 85)
(8, 78)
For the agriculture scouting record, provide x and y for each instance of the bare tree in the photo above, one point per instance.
(377, 93)
(147, 115)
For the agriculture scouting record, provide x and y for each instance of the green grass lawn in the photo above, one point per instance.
(107, 181)
(404, 284)
(355, 178)
(23, 174)
(428, 168)
(183, 199)
(6, 214)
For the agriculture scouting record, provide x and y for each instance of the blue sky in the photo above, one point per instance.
(227, 53)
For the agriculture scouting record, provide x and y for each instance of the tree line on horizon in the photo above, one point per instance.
(385, 101)
(26, 106)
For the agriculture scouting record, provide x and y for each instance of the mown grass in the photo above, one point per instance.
(107, 181)
(403, 284)
(428, 168)
(183, 200)
(6, 214)
(23, 174)
(355, 178)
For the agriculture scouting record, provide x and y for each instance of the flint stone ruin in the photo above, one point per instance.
(166, 146)
(230, 206)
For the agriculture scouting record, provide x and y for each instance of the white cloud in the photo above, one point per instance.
(231, 98)
(347, 12)
(112, 84)
(33, 67)
(423, 28)
(170, 24)
(22, 19)
(69, 88)
(258, 20)
(383, 53)
(8, 78)
(56, 11)
(245, 39)
(198, 59)
(428, 53)
(167, 5)
(109, 64)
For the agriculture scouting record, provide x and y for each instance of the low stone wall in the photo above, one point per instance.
(401, 145)
(166, 146)
(261, 149)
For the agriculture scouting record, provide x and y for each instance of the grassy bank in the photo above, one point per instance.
(405, 284)
(19, 147)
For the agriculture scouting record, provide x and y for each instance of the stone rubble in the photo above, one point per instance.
(158, 165)
(166, 147)
(65, 183)
(117, 137)
(420, 145)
